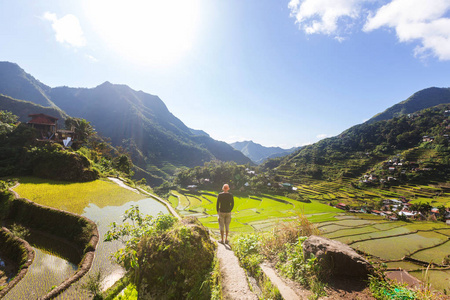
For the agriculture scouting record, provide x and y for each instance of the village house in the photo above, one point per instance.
(192, 188)
(427, 138)
(342, 206)
(406, 214)
(47, 129)
(45, 125)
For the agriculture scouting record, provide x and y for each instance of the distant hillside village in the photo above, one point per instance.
(403, 209)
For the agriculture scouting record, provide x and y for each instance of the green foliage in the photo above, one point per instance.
(171, 260)
(53, 162)
(167, 259)
(20, 231)
(21, 154)
(123, 164)
(283, 247)
(215, 280)
(93, 284)
(83, 129)
(293, 264)
(246, 248)
(384, 290)
(216, 172)
(7, 122)
(129, 293)
(362, 146)
(8, 117)
(115, 290)
(130, 233)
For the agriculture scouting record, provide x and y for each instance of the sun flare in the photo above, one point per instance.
(146, 32)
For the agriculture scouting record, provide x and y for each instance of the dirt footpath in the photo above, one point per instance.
(234, 280)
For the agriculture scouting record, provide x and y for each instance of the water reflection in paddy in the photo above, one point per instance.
(103, 217)
(48, 270)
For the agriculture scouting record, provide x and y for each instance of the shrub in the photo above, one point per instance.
(54, 163)
(247, 249)
(384, 290)
(175, 264)
(166, 259)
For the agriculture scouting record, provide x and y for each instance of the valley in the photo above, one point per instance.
(381, 187)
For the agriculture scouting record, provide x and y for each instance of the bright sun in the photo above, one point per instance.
(152, 32)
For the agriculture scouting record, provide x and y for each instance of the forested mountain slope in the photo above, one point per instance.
(422, 99)
(360, 148)
(141, 123)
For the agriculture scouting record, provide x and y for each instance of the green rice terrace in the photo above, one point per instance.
(103, 202)
(420, 247)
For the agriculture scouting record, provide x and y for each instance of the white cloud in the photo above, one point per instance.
(425, 22)
(325, 16)
(91, 58)
(67, 29)
(417, 20)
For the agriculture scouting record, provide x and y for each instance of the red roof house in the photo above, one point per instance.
(43, 123)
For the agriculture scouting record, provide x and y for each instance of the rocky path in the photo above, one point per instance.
(234, 280)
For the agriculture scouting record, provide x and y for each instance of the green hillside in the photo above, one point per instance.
(16, 83)
(138, 122)
(23, 108)
(422, 99)
(369, 147)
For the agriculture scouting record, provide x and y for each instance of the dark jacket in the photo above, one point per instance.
(225, 202)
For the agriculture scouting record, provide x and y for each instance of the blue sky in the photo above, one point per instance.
(280, 73)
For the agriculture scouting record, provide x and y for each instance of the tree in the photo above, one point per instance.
(83, 129)
(7, 122)
(124, 164)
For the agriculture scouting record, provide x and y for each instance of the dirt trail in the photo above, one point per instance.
(234, 280)
(287, 289)
(120, 182)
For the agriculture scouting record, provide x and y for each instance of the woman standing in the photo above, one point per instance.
(224, 206)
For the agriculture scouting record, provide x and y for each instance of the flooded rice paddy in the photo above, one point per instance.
(49, 268)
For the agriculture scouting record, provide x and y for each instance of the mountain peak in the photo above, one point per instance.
(258, 153)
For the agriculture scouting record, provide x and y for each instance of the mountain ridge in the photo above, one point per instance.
(420, 100)
(137, 121)
(258, 153)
